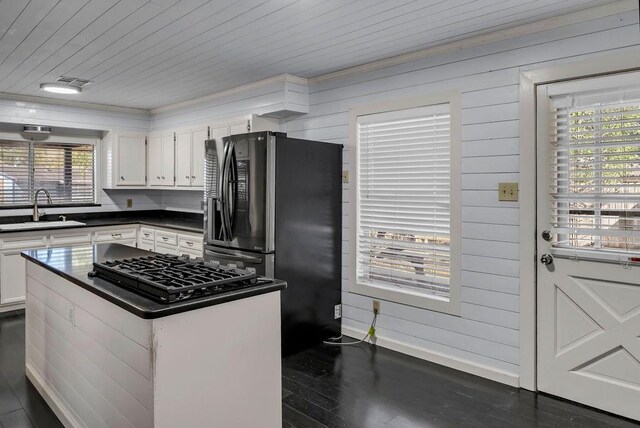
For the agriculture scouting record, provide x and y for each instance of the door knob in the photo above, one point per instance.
(546, 259)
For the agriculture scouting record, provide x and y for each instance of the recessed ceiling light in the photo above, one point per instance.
(60, 88)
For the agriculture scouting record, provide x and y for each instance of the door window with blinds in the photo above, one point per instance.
(594, 168)
(405, 205)
(66, 171)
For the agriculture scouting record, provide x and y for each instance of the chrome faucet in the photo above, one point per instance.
(36, 213)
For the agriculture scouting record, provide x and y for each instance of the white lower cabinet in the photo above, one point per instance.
(12, 267)
(167, 241)
(12, 264)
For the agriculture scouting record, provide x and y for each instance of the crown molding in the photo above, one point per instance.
(482, 39)
(282, 78)
(71, 103)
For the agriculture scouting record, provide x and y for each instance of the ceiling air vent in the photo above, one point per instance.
(74, 81)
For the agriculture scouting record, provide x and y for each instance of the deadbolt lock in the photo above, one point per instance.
(546, 259)
(546, 235)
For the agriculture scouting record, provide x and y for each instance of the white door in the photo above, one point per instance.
(168, 157)
(588, 244)
(131, 160)
(183, 158)
(198, 137)
(154, 155)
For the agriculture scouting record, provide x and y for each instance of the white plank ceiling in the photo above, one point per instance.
(148, 54)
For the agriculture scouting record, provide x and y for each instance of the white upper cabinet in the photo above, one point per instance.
(154, 158)
(182, 157)
(160, 153)
(198, 137)
(124, 160)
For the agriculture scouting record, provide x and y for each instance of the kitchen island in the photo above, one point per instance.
(104, 356)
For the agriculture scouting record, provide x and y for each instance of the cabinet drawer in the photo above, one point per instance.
(190, 242)
(167, 249)
(115, 235)
(191, 253)
(146, 233)
(167, 238)
(24, 243)
(70, 239)
(145, 244)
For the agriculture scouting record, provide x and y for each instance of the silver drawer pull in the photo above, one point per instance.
(190, 244)
(147, 235)
(164, 238)
(117, 235)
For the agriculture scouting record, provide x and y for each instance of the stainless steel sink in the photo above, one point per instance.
(39, 225)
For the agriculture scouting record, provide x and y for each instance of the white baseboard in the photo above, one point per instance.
(65, 416)
(456, 363)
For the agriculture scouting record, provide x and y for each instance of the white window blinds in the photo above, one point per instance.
(595, 176)
(403, 238)
(65, 170)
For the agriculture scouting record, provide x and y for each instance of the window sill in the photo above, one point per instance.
(405, 297)
(46, 207)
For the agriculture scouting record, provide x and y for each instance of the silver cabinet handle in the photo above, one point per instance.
(164, 238)
(146, 235)
(186, 176)
(193, 176)
(163, 178)
(122, 177)
(190, 244)
(117, 235)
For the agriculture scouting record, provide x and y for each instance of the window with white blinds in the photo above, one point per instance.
(595, 176)
(404, 170)
(67, 171)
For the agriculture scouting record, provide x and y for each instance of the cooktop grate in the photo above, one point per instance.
(168, 278)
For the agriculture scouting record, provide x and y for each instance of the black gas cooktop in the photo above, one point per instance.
(168, 278)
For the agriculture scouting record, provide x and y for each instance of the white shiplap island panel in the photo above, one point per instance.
(485, 338)
(98, 365)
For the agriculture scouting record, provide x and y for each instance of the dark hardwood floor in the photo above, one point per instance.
(355, 386)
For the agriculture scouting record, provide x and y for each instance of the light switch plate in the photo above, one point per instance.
(508, 191)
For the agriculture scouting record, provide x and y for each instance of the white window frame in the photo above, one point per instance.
(67, 139)
(405, 297)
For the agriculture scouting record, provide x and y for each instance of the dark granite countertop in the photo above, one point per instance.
(188, 222)
(74, 264)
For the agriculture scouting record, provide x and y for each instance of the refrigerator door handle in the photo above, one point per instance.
(248, 259)
(227, 203)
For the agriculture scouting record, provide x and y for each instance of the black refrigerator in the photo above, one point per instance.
(274, 204)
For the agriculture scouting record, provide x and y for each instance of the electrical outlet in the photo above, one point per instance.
(129, 203)
(345, 176)
(507, 191)
(376, 306)
(337, 311)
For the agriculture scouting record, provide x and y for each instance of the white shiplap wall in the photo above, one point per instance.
(487, 331)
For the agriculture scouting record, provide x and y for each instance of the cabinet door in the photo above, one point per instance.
(13, 277)
(131, 160)
(155, 161)
(168, 159)
(183, 158)
(239, 127)
(198, 137)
